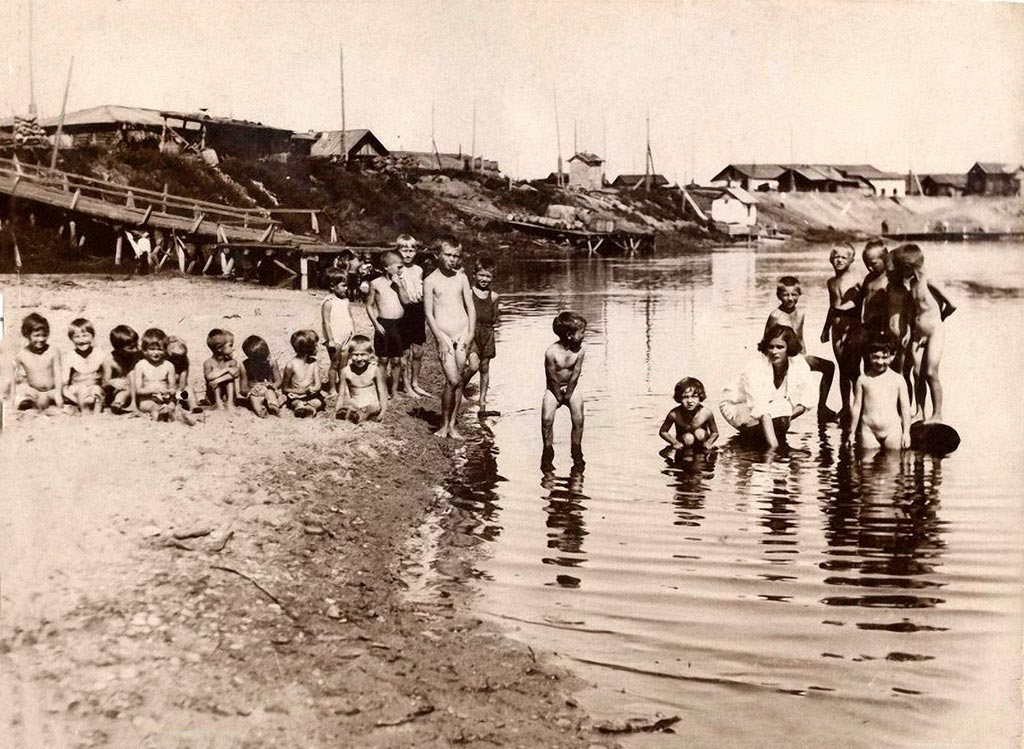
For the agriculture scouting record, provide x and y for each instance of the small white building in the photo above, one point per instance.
(586, 171)
(726, 207)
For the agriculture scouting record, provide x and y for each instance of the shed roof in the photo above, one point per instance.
(329, 142)
(753, 171)
(867, 171)
(992, 167)
(635, 180)
(589, 159)
(954, 180)
(110, 114)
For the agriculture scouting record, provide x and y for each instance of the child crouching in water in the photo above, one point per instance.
(301, 380)
(260, 378)
(363, 394)
(881, 400)
(693, 421)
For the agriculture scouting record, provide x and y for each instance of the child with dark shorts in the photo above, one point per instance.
(414, 322)
(385, 307)
(482, 348)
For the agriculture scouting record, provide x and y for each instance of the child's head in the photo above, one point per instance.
(390, 262)
(220, 342)
(449, 254)
(154, 345)
(841, 256)
(569, 327)
(177, 351)
(256, 348)
(788, 291)
(304, 343)
(782, 333)
(82, 333)
(360, 351)
(36, 329)
(881, 350)
(406, 247)
(689, 393)
(124, 339)
(875, 255)
(484, 273)
(907, 259)
(337, 281)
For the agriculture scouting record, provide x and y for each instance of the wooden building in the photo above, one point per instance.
(944, 185)
(731, 209)
(637, 181)
(428, 161)
(359, 144)
(875, 181)
(816, 178)
(586, 171)
(989, 178)
(750, 177)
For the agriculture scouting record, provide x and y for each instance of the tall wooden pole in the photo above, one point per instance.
(344, 138)
(558, 136)
(433, 141)
(649, 162)
(60, 122)
(31, 81)
(472, 142)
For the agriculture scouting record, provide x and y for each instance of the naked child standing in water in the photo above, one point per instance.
(451, 317)
(842, 323)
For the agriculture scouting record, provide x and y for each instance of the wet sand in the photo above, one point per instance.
(238, 583)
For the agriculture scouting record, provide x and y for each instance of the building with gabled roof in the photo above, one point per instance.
(586, 171)
(637, 181)
(815, 178)
(722, 206)
(945, 185)
(993, 178)
(751, 177)
(360, 143)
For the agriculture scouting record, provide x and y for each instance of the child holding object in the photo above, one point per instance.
(842, 322)
(336, 316)
(363, 393)
(788, 292)
(221, 371)
(260, 378)
(115, 375)
(881, 403)
(928, 307)
(37, 374)
(153, 379)
(301, 378)
(563, 364)
(82, 384)
(693, 421)
(482, 349)
(177, 355)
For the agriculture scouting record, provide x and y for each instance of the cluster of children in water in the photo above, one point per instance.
(150, 374)
(887, 335)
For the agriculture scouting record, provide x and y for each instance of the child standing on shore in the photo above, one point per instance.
(117, 369)
(413, 326)
(842, 322)
(336, 317)
(37, 372)
(260, 378)
(385, 306)
(363, 393)
(451, 317)
(563, 363)
(84, 365)
(881, 403)
(153, 378)
(482, 349)
(788, 314)
(301, 378)
(929, 306)
(693, 421)
(221, 371)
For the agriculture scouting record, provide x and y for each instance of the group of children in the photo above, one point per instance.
(151, 374)
(887, 335)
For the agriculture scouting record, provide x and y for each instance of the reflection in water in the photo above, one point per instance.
(691, 472)
(473, 486)
(566, 529)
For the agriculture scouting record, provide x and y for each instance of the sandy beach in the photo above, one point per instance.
(239, 582)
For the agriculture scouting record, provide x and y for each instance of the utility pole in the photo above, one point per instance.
(344, 138)
(558, 137)
(432, 141)
(649, 163)
(60, 122)
(472, 142)
(31, 82)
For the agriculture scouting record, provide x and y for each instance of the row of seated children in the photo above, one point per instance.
(150, 374)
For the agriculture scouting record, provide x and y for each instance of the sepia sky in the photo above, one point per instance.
(933, 86)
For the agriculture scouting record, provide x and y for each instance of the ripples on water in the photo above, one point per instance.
(810, 598)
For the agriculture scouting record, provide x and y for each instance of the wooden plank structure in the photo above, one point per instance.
(225, 228)
(630, 243)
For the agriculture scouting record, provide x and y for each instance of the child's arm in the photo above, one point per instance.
(371, 308)
(577, 368)
(946, 307)
(287, 377)
(904, 404)
(344, 391)
(399, 287)
(858, 404)
(325, 318)
(171, 379)
(833, 302)
(712, 428)
(315, 385)
(497, 309)
(666, 430)
(275, 372)
(467, 299)
(551, 376)
(243, 383)
(58, 373)
(133, 388)
(382, 394)
(428, 311)
(106, 371)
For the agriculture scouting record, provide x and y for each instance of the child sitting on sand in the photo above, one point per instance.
(177, 355)
(260, 378)
(363, 393)
(221, 371)
(301, 378)
(84, 365)
(336, 318)
(881, 403)
(842, 322)
(37, 369)
(929, 306)
(693, 421)
(117, 369)
(788, 292)
(482, 349)
(153, 379)
(563, 363)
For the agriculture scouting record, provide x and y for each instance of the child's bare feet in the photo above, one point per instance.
(442, 433)
(827, 414)
(421, 391)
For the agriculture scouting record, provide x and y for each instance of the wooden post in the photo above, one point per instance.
(180, 250)
(74, 199)
(60, 122)
(303, 273)
(119, 246)
(130, 200)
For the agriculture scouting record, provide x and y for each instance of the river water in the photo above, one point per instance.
(813, 598)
